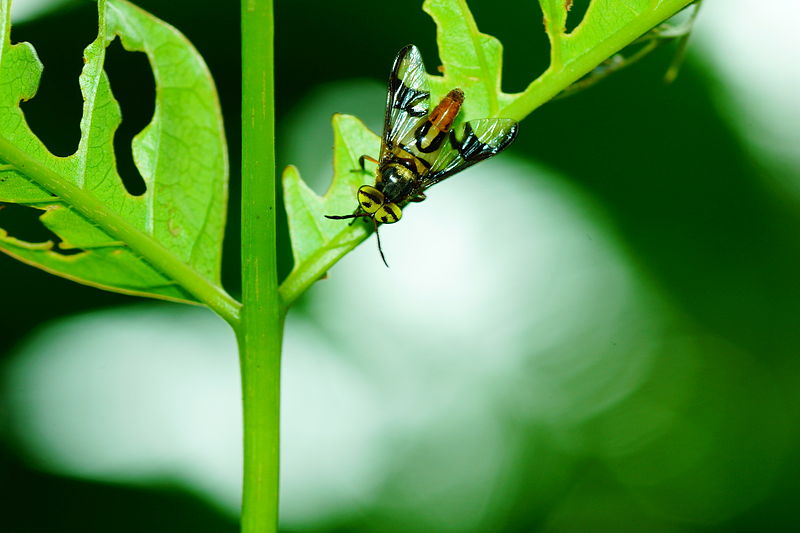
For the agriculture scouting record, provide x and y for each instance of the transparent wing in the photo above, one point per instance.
(408, 98)
(482, 139)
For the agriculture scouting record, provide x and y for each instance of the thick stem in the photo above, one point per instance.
(259, 356)
(261, 330)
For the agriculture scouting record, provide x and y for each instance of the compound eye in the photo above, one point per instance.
(388, 213)
(370, 199)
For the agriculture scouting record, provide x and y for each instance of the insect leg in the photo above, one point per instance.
(418, 198)
(361, 163)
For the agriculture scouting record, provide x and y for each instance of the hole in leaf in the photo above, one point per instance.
(576, 12)
(525, 44)
(134, 88)
(22, 222)
(54, 114)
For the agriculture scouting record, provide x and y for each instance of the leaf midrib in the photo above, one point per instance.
(115, 225)
(552, 81)
(475, 35)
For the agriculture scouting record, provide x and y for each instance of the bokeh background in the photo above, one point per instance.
(597, 331)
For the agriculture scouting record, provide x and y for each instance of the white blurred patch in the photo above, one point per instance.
(501, 270)
(407, 390)
(756, 46)
(151, 394)
(332, 463)
(505, 295)
(23, 10)
(143, 394)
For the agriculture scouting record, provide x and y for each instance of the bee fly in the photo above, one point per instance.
(419, 147)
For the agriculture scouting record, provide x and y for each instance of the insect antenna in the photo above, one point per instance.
(378, 236)
(354, 216)
(342, 217)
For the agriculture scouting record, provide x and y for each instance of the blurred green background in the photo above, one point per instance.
(597, 331)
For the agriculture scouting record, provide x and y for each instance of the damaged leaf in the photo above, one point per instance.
(165, 243)
(470, 60)
(318, 242)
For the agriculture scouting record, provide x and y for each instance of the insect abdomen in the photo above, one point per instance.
(433, 131)
(445, 113)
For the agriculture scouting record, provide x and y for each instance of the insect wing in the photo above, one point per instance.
(482, 139)
(408, 98)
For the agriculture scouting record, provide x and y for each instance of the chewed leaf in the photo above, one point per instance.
(318, 242)
(181, 155)
(602, 20)
(472, 60)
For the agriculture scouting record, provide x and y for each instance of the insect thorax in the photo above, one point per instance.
(396, 182)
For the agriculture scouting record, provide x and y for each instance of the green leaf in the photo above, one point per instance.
(318, 242)
(165, 243)
(603, 19)
(607, 27)
(472, 61)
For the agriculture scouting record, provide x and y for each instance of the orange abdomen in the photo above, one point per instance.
(445, 113)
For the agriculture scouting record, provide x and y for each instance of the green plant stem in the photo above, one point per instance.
(260, 333)
(680, 55)
(318, 264)
(560, 76)
(143, 244)
(593, 78)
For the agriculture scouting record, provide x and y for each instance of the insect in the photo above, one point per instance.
(419, 147)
